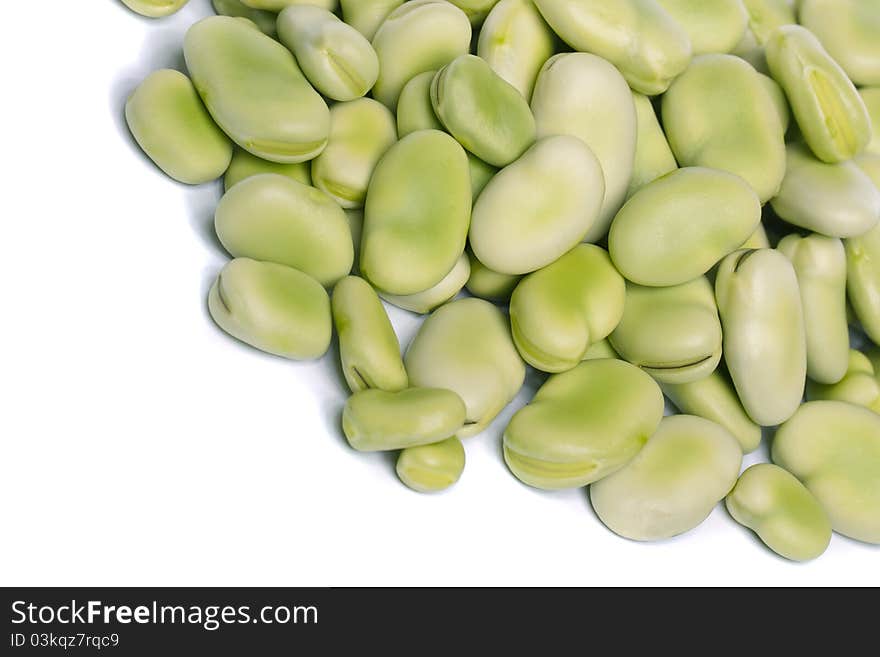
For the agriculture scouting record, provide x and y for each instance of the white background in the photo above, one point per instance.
(141, 446)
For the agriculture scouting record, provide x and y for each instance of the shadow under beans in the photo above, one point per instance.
(330, 394)
(589, 504)
(333, 361)
(854, 541)
(201, 202)
(162, 48)
(332, 399)
(390, 459)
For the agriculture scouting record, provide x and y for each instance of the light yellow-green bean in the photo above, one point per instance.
(869, 163)
(431, 468)
(600, 350)
(834, 449)
(276, 219)
(414, 108)
(476, 10)
(765, 345)
(272, 307)
(265, 20)
(781, 511)
(417, 212)
(425, 301)
(829, 111)
(820, 265)
(255, 91)
(361, 131)
(713, 26)
(780, 102)
(863, 280)
(836, 199)
(557, 312)
(639, 37)
(583, 425)
(653, 157)
(871, 98)
(368, 346)
(356, 225)
(582, 95)
(487, 284)
(465, 346)
(416, 112)
(515, 42)
(418, 36)
(671, 486)
(376, 420)
(367, 15)
(335, 57)
(849, 31)
(244, 165)
(679, 226)
(539, 207)
(672, 333)
(172, 126)
(718, 114)
(487, 115)
(278, 5)
(859, 386)
(155, 8)
(481, 174)
(764, 17)
(757, 240)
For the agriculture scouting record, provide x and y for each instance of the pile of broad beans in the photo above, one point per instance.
(644, 199)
